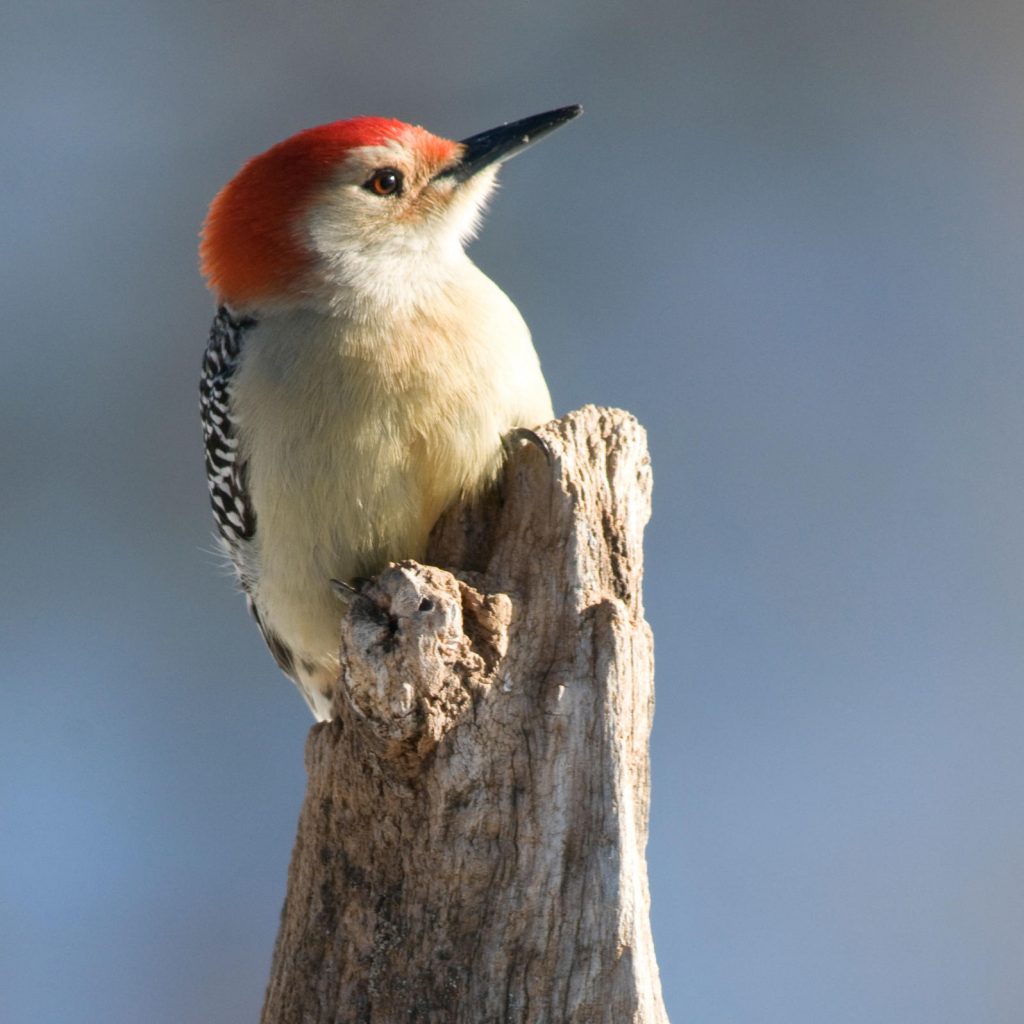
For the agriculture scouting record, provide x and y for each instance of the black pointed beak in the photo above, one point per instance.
(502, 143)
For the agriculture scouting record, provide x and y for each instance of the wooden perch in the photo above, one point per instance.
(471, 846)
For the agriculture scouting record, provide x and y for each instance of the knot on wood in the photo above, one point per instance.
(417, 646)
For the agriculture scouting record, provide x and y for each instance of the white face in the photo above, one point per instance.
(387, 232)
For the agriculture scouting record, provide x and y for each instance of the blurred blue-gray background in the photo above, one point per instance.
(789, 236)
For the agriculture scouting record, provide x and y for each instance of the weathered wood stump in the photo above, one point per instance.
(471, 846)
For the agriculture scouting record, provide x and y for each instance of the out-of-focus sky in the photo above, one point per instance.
(788, 236)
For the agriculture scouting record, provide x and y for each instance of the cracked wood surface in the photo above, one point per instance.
(471, 845)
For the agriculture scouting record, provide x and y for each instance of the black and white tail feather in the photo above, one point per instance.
(226, 473)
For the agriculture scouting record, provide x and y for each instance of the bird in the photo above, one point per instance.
(361, 372)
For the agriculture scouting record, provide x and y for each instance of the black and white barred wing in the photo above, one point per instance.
(225, 472)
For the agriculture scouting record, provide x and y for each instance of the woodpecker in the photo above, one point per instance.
(361, 372)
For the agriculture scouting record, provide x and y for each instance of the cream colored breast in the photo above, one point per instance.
(358, 434)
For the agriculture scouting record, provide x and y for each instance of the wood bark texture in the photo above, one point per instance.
(471, 845)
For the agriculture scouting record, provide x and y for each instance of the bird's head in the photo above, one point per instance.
(354, 213)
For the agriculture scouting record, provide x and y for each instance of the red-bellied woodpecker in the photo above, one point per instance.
(361, 371)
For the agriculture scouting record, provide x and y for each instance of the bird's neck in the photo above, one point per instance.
(455, 307)
(416, 290)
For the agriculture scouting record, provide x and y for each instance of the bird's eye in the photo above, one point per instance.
(385, 182)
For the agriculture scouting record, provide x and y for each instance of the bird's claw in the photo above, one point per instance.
(344, 590)
(349, 591)
(531, 437)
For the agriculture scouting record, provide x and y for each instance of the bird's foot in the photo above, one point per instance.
(349, 591)
(531, 437)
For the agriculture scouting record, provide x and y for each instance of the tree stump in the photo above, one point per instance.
(471, 846)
